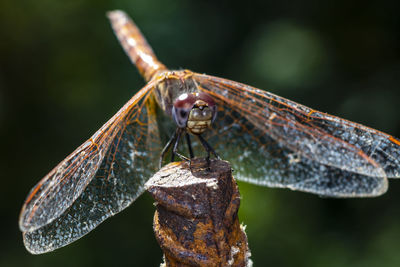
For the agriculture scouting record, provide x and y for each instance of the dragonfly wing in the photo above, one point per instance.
(259, 159)
(382, 148)
(286, 144)
(128, 149)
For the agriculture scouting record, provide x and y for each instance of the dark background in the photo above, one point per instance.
(63, 74)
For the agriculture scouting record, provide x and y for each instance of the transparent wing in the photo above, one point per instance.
(99, 179)
(276, 142)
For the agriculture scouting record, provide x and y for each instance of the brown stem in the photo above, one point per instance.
(196, 222)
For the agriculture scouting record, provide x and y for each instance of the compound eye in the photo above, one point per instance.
(180, 116)
(185, 101)
(206, 98)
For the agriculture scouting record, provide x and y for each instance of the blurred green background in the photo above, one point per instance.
(63, 74)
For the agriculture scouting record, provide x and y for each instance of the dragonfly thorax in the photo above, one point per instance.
(194, 111)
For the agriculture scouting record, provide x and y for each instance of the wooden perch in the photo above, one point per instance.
(196, 222)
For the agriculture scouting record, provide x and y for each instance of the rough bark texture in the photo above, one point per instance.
(196, 222)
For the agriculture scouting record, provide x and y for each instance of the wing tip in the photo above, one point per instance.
(34, 249)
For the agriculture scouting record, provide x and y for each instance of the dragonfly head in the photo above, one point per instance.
(194, 111)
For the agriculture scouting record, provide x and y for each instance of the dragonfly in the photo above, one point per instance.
(269, 141)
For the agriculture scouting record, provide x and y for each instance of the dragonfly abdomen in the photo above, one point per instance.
(135, 45)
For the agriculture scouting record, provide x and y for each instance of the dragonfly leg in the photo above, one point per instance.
(175, 148)
(208, 148)
(167, 147)
(189, 143)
